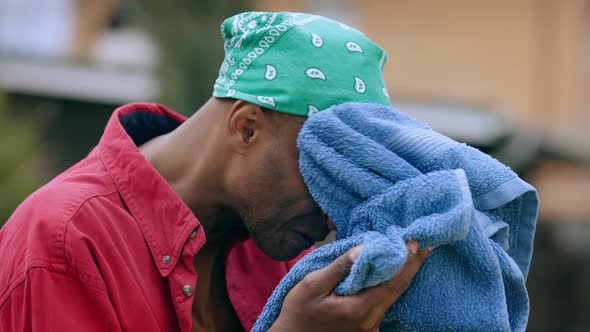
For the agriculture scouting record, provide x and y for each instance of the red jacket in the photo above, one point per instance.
(108, 245)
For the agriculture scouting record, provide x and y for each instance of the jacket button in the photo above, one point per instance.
(166, 259)
(188, 290)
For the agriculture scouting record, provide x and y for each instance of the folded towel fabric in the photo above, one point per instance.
(385, 178)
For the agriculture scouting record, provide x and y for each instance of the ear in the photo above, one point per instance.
(245, 123)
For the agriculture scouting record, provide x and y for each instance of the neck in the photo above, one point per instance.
(191, 161)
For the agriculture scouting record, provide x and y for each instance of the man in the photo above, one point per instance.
(181, 224)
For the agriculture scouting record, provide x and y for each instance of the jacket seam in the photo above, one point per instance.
(69, 265)
(22, 278)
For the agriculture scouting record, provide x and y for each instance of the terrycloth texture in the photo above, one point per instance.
(298, 63)
(385, 178)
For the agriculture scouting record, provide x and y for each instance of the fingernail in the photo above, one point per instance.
(355, 253)
(413, 245)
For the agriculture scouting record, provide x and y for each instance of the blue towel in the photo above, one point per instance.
(385, 178)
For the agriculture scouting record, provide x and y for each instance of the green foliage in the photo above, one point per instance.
(191, 50)
(20, 159)
(191, 47)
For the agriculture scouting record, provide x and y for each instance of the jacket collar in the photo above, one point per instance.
(164, 219)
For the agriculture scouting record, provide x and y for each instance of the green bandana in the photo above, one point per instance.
(298, 63)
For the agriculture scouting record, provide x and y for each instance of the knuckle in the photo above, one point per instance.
(367, 325)
(405, 282)
(341, 268)
(349, 312)
(400, 284)
(353, 313)
(308, 283)
(373, 319)
(361, 313)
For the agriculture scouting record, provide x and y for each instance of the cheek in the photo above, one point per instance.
(268, 225)
(272, 194)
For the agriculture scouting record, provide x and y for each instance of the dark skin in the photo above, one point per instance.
(236, 166)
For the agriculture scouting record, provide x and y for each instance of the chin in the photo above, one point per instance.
(280, 251)
(281, 246)
(282, 254)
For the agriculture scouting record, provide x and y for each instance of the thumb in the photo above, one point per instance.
(329, 277)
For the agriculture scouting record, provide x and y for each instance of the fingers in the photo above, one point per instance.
(402, 280)
(389, 292)
(326, 279)
(369, 306)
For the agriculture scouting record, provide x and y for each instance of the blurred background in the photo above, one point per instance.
(510, 77)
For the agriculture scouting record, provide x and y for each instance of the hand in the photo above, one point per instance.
(312, 305)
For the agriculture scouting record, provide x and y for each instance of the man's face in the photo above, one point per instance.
(274, 203)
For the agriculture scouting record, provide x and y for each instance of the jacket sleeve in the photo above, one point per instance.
(56, 301)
